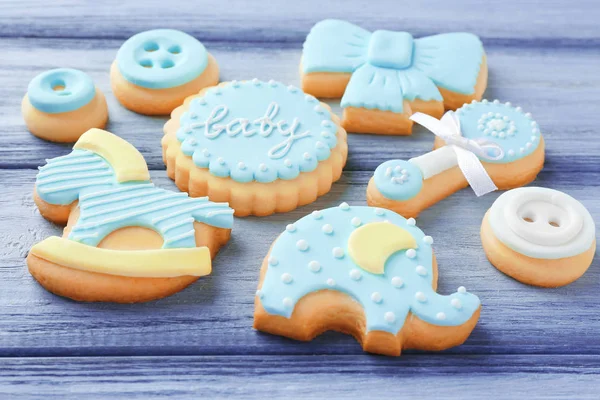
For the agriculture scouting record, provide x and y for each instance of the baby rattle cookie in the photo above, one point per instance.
(264, 147)
(156, 70)
(383, 77)
(487, 145)
(125, 240)
(62, 104)
(539, 236)
(364, 271)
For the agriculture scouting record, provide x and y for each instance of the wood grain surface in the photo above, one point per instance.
(539, 343)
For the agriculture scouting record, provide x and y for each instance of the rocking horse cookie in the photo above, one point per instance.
(383, 77)
(364, 271)
(264, 147)
(154, 71)
(487, 145)
(539, 236)
(125, 239)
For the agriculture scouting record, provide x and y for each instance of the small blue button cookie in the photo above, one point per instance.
(398, 179)
(161, 58)
(61, 90)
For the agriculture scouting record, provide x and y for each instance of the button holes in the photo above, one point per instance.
(528, 218)
(167, 64)
(58, 85)
(174, 49)
(146, 63)
(150, 47)
(553, 223)
(58, 88)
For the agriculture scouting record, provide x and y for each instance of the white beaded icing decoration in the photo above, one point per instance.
(462, 289)
(356, 221)
(288, 302)
(344, 206)
(428, 240)
(273, 261)
(338, 252)
(411, 222)
(290, 228)
(314, 266)
(241, 166)
(421, 270)
(441, 316)
(259, 294)
(317, 214)
(456, 303)
(397, 282)
(379, 212)
(302, 245)
(420, 296)
(330, 282)
(389, 317)
(327, 229)
(411, 253)
(355, 274)
(286, 278)
(376, 297)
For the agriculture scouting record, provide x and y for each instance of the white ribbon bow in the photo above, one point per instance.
(467, 151)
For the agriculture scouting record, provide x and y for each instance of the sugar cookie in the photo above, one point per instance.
(364, 271)
(125, 240)
(539, 236)
(156, 70)
(383, 76)
(487, 145)
(261, 146)
(62, 104)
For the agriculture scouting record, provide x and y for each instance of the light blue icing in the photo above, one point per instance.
(60, 90)
(398, 179)
(161, 58)
(256, 130)
(509, 127)
(388, 67)
(107, 205)
(397, 286)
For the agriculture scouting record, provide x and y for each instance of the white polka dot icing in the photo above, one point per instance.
(275, 131)
(507, 126)
(386, 298)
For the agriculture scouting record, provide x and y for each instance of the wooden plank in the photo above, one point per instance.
(558, 87)
(298, 377)
(214, 316)
(284, 21)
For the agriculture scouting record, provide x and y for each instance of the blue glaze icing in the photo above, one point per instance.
(107, 205)
(161, 58)
(509, 127)
(388, 67)
(403, 287)
(60, 90)
(398, 179)
(256, 130)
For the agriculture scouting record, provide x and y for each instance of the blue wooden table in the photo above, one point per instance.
(539, 343)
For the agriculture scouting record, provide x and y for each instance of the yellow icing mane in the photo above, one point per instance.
(127, 163)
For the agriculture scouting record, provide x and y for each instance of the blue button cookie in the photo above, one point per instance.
(60, 90)
(161, 58)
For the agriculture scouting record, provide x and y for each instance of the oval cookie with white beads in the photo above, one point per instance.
(539, 236)
(364, 271)
(264, 147)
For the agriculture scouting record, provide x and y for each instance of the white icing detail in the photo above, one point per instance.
(256, 81)
(528, 145)
(456, 303)
(302, 245)
(441, 316)
(461, 289)
(241, 165)
(397, 282)
(411, 222)
(306, 156)
(263, 126)
(221, 161)
(356, 222)
(428, 240)
(325, 134)
(518, 109)
(484, 101)
(379, 212)
(287, 162)
(317, 214)
(398, 180)
(310, 99)
(507, 104)
(344, 206)
(388, 171)
(292, 89)
(420, 296)
(389, 317)
(330, 282)
(376, 297)
(272, 83)
(259, 294)
(436, 161)
(421, 270)
(496, 101)
(542, 223)
(290, 228)
(338, 252)
(262, 167)
(327, 229)
(320, 145)
(286, 278)
(355, 274)
(288, 302)
(314, 266)
(320, 110)
(511, 153)
(273, 261)
(205, 153)
(411, 253)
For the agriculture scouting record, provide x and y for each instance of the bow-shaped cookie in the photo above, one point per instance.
(391, 74)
